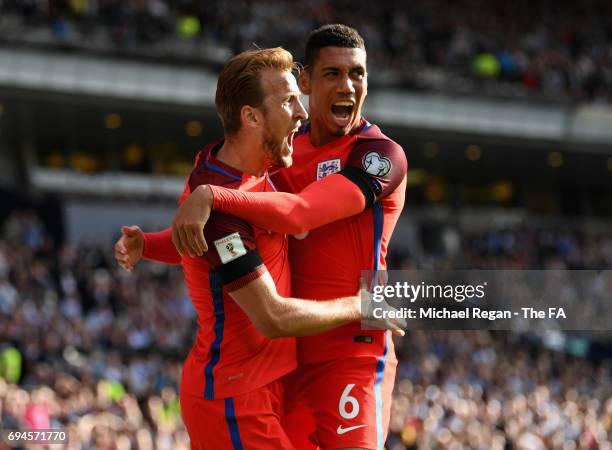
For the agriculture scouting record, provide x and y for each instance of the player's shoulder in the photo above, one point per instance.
(221, 224)
(209, 170)
(370, 133)
(372, 142)
(229, 238)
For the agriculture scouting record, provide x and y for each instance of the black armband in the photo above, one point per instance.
(238, 268)
(368, 185)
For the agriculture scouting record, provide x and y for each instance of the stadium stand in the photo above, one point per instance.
(89, 353)
(96, 351)
(536, 48)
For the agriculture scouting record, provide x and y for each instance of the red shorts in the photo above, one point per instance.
(250, 421)
(341, 403)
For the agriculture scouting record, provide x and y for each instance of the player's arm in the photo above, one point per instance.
(331, 199)
(158, 247)
(133, 245)
(276, 316)
(240, 269)
(237, 264)
(374, 169)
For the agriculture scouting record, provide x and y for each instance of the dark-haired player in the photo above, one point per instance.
(346, 170)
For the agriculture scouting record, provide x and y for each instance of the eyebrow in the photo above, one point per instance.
(289, 94)
(351, 69)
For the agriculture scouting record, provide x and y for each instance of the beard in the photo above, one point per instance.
(274, 147)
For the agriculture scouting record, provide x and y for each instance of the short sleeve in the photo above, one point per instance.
(377, 166)
(232, 251)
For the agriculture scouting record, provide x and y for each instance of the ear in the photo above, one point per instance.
(250, 117)
(304, 82)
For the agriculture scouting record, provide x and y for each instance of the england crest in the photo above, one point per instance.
(328, 167)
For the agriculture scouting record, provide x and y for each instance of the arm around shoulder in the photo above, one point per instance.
(320, 203)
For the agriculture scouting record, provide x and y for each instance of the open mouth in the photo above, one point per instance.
(290, 137)
(342, 111)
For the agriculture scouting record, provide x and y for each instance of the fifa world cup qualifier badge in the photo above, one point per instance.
(375, 164)
(230, 247)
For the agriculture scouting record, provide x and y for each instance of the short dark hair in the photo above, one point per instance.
(331, 35)
(239, 83)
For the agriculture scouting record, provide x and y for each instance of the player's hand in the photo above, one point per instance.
(129, 247)
(396, 325)
(188, 223)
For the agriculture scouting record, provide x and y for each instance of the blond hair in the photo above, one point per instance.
(240, 83)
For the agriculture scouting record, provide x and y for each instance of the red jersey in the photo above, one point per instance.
(230, 356)
(327, 262)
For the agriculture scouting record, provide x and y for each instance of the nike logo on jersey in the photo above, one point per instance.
(342, 430)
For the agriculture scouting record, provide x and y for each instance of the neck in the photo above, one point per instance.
(320, 135)
(238, 152)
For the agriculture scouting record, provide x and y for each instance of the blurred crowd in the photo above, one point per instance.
(93, 350)
(521, 247)
(478, 390)
(481, 391)
(87, 347)
(521, 48)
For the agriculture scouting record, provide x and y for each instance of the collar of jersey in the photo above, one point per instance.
(363, 125)
(216, 165)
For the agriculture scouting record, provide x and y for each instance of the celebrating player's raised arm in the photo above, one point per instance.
(281, 212)
(296, 213)
(373, 170)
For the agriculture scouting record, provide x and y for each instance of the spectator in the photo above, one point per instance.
(97, 352)
(540, 47)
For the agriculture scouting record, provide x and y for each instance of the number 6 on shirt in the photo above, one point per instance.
(346, 399)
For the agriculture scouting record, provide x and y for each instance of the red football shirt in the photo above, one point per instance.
(327, 262)
(230, 356)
